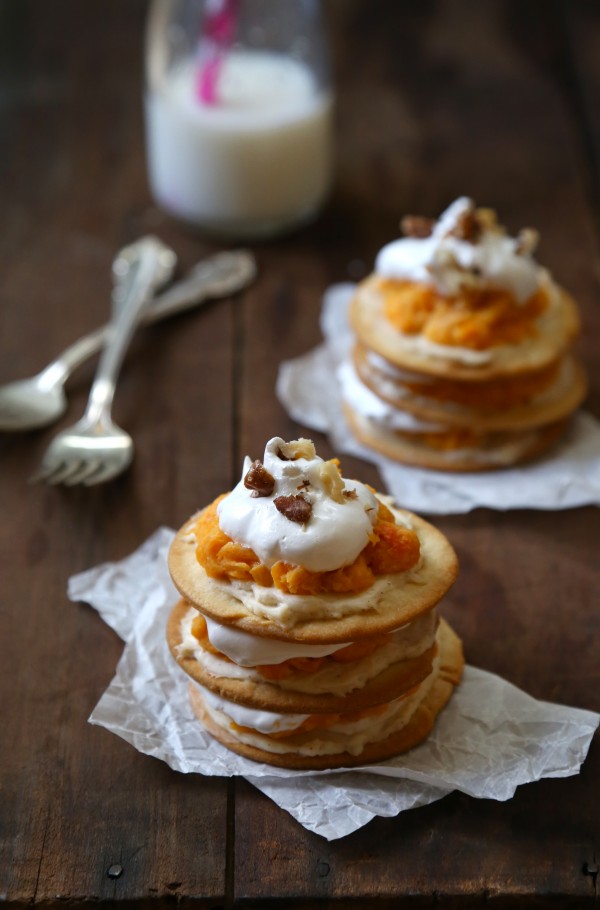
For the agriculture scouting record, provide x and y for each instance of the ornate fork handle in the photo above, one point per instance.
(142, 267)
(219, 275)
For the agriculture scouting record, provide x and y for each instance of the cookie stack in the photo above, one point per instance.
(308, 624)
(463, 347)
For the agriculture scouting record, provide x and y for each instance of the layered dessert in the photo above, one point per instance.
(308, 623)
(463, 357)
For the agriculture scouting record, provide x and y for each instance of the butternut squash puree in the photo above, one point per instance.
(449, 440)
(498, 394)
(391, 549)
(477, 319)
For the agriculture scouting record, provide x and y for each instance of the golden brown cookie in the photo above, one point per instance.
(392, 601)
(445, 402)
(273, 696)
(419, 726)
(484, 451)
(556, 329)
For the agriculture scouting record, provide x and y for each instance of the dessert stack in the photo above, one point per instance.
(463, 355)
(308, 624)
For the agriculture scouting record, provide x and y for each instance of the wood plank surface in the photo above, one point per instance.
(496, 100)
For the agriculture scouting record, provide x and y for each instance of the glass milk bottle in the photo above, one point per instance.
(238, 113)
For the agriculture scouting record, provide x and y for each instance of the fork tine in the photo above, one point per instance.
(86, 469)
(63, 471)
(106, 473)
(47, 470)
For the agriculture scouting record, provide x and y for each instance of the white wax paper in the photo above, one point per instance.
(568, 476)
(490, 739)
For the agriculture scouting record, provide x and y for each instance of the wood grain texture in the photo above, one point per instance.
(498, 100)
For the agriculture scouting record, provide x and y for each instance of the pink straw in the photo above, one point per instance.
(218, 32)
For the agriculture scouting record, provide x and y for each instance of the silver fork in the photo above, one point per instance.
(28, 404)
(95, 449)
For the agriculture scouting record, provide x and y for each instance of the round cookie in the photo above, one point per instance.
(399, 599)
(562, 396)
(556, 329)
(494, 450)
(421, 723)
(269, 696)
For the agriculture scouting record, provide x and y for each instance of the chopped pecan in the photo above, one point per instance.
(295, 508)
(259, 480)
(468, 226)
(350, 494)
(417, 226)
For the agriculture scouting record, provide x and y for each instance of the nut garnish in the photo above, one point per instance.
(527, 240)
(350, 494)
(468, 226)
(332, 482)
(294, 508)
(259, 480)
(297, 448)
(417, 226)
(488, 220)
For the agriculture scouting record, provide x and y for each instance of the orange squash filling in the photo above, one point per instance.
(391, 549)
(324, 721)
(304, 665)
(448, 441)
(477, 319)
(499, 394)
(318, 722)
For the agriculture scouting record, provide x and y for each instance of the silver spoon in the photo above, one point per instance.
(28, 404)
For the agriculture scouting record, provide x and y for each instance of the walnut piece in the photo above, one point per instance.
(527, 240)
(259, 480)
(294, 508)
(417, 226)
(297, 448)
(331, 480)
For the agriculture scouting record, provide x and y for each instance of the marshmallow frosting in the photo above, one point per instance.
(333, 536)
(444, 261)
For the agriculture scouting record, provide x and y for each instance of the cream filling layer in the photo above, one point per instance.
(363, 400)
(290, 609)
(248, 650)
(497, 448)
(338, 679)
(349, 736)
(390, 382)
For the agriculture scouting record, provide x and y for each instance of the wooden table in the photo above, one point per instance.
(499, 100)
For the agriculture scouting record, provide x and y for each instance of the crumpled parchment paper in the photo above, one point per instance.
(490, 739)
(568, 476)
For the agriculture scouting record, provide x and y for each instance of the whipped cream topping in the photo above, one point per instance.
(289, 610)
(363, 400)
(342, 512)
(345, 736)
(447, 262)
(251, 650)
(382, 365)
(263, 721)
(406, 643)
